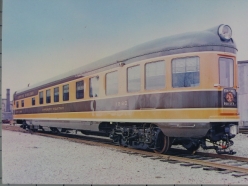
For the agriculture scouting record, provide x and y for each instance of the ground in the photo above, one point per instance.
(32, 159)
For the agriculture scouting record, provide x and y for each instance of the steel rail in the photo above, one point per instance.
(221, 156)
(189, 160)
(243, 130)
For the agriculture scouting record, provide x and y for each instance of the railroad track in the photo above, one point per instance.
(243, 130)
(224, 164)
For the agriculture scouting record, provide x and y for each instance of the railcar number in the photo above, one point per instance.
(121, 103)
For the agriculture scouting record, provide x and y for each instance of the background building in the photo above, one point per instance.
(7, 107)
(243, 92)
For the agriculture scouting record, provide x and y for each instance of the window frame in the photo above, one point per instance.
(55, 95)
(33, 101)
(98, 85)
(77, 91)
(64, 97)
(185, 71)
(140, 78)
(145, 79)
(17, 104)
(41, 99)
(106, 92)
(22, 103)
(48, 99)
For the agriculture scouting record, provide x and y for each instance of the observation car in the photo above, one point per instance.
(177, 90)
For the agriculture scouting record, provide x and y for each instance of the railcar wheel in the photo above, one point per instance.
(162, 143)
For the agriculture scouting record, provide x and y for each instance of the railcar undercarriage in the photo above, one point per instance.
(150, 136)
(142, 137)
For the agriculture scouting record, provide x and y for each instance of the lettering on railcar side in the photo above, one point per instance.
(20, 97)
(59, 108)
(29, 94)
(18, 111)
(229, 104)
(49, 109)
(32, 93)
(46, 109)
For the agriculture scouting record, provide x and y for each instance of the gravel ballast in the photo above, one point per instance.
(32, 159)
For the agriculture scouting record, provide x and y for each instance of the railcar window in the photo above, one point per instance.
(65, 92)
(22, 103)
(33, 101)
(112, 83)
(17, 104)
(48, 96)
(133, 79)
(94, 86)
(155, 75)
(226, 72)
(80, 89)
(56, 94)
(41, 97)
(186, 72)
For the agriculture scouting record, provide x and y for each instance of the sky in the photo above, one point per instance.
(45, 38)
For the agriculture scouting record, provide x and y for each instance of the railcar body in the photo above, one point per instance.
(177, 90)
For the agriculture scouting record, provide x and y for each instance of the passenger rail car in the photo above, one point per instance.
(177, 90)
